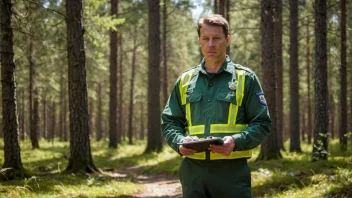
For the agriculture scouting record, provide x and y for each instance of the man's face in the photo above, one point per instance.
(213, 42)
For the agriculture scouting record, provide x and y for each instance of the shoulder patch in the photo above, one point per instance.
(261, 98)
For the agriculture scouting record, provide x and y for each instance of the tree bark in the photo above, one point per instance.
(12, 153)
(141, 135)
(62, 104)
(343, 81)
(121, 83)
(295, 143)
(154, 129)
(22, 120)
(80, 151)
(321, 117)
(216, 6)
(331, 111)
(53, 120)
(309, 106)
(45, 119)
(269, 148)
(228, 6)
(130, 117)
(33, 99)
(302, 121)
(278, 64)
(65, 110)
(91, 116)
(99, 122)
(222, 7)
(113, 81)
(165, 72)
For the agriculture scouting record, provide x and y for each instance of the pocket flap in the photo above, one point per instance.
(194, 97)
(227, 97)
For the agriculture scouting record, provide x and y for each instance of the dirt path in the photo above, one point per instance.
(155, 186)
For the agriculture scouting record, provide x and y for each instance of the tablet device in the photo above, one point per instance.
(202, 145)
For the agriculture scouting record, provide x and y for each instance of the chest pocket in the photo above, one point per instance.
(224, 100)
(227, 101)
(194, 97)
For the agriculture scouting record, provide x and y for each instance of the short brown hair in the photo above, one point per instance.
(215, 20)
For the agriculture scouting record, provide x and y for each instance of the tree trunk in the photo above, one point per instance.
(120, 104)
(222, 7)
(321, 117)
(91, 116)
(302, 121)
(278, 64)
(331, 111)
(62, 101)
(228, 6)
(141, 135)
(113, 81)
(269, 148)
(99, 122)
(12, 153)
(309, 106)
(53, 120)
(350, 97)
(65, 109)
(33, 98)
(294, 80)
(45, 119)
(165, 71)
(22, 116)
(216, 6)
(154, 129)
(80, 152)
(130, 117)
(343, 81)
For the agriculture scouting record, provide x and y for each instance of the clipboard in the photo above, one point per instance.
(202, 145)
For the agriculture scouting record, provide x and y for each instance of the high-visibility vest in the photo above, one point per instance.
(188, 81)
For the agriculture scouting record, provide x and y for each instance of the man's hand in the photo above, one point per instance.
(224, 149)
(187, 151)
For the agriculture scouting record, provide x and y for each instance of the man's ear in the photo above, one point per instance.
(228, 40)
(198, 41)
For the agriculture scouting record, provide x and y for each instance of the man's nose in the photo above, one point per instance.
(211, 42)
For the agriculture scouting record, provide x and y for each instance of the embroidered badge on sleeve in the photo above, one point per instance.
(261, 98)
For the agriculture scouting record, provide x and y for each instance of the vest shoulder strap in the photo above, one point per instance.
(188, 80)
(240, 86)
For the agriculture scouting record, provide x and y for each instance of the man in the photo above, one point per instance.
(220, 99)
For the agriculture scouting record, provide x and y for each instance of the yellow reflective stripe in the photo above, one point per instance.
(196, 130)
(217, 156)
(188, 114)
(199, 156)
(240, 87)
(233, 109)
(233, 155)
(186, 77)
(226, 128)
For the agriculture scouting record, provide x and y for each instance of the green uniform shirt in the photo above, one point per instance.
(210, 101)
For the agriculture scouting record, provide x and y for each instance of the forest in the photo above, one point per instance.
(83, 84)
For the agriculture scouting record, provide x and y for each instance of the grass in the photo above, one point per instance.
(293, 176)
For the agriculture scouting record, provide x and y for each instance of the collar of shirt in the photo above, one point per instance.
(228, 66)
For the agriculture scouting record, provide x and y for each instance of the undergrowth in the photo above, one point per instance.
(293, 176)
